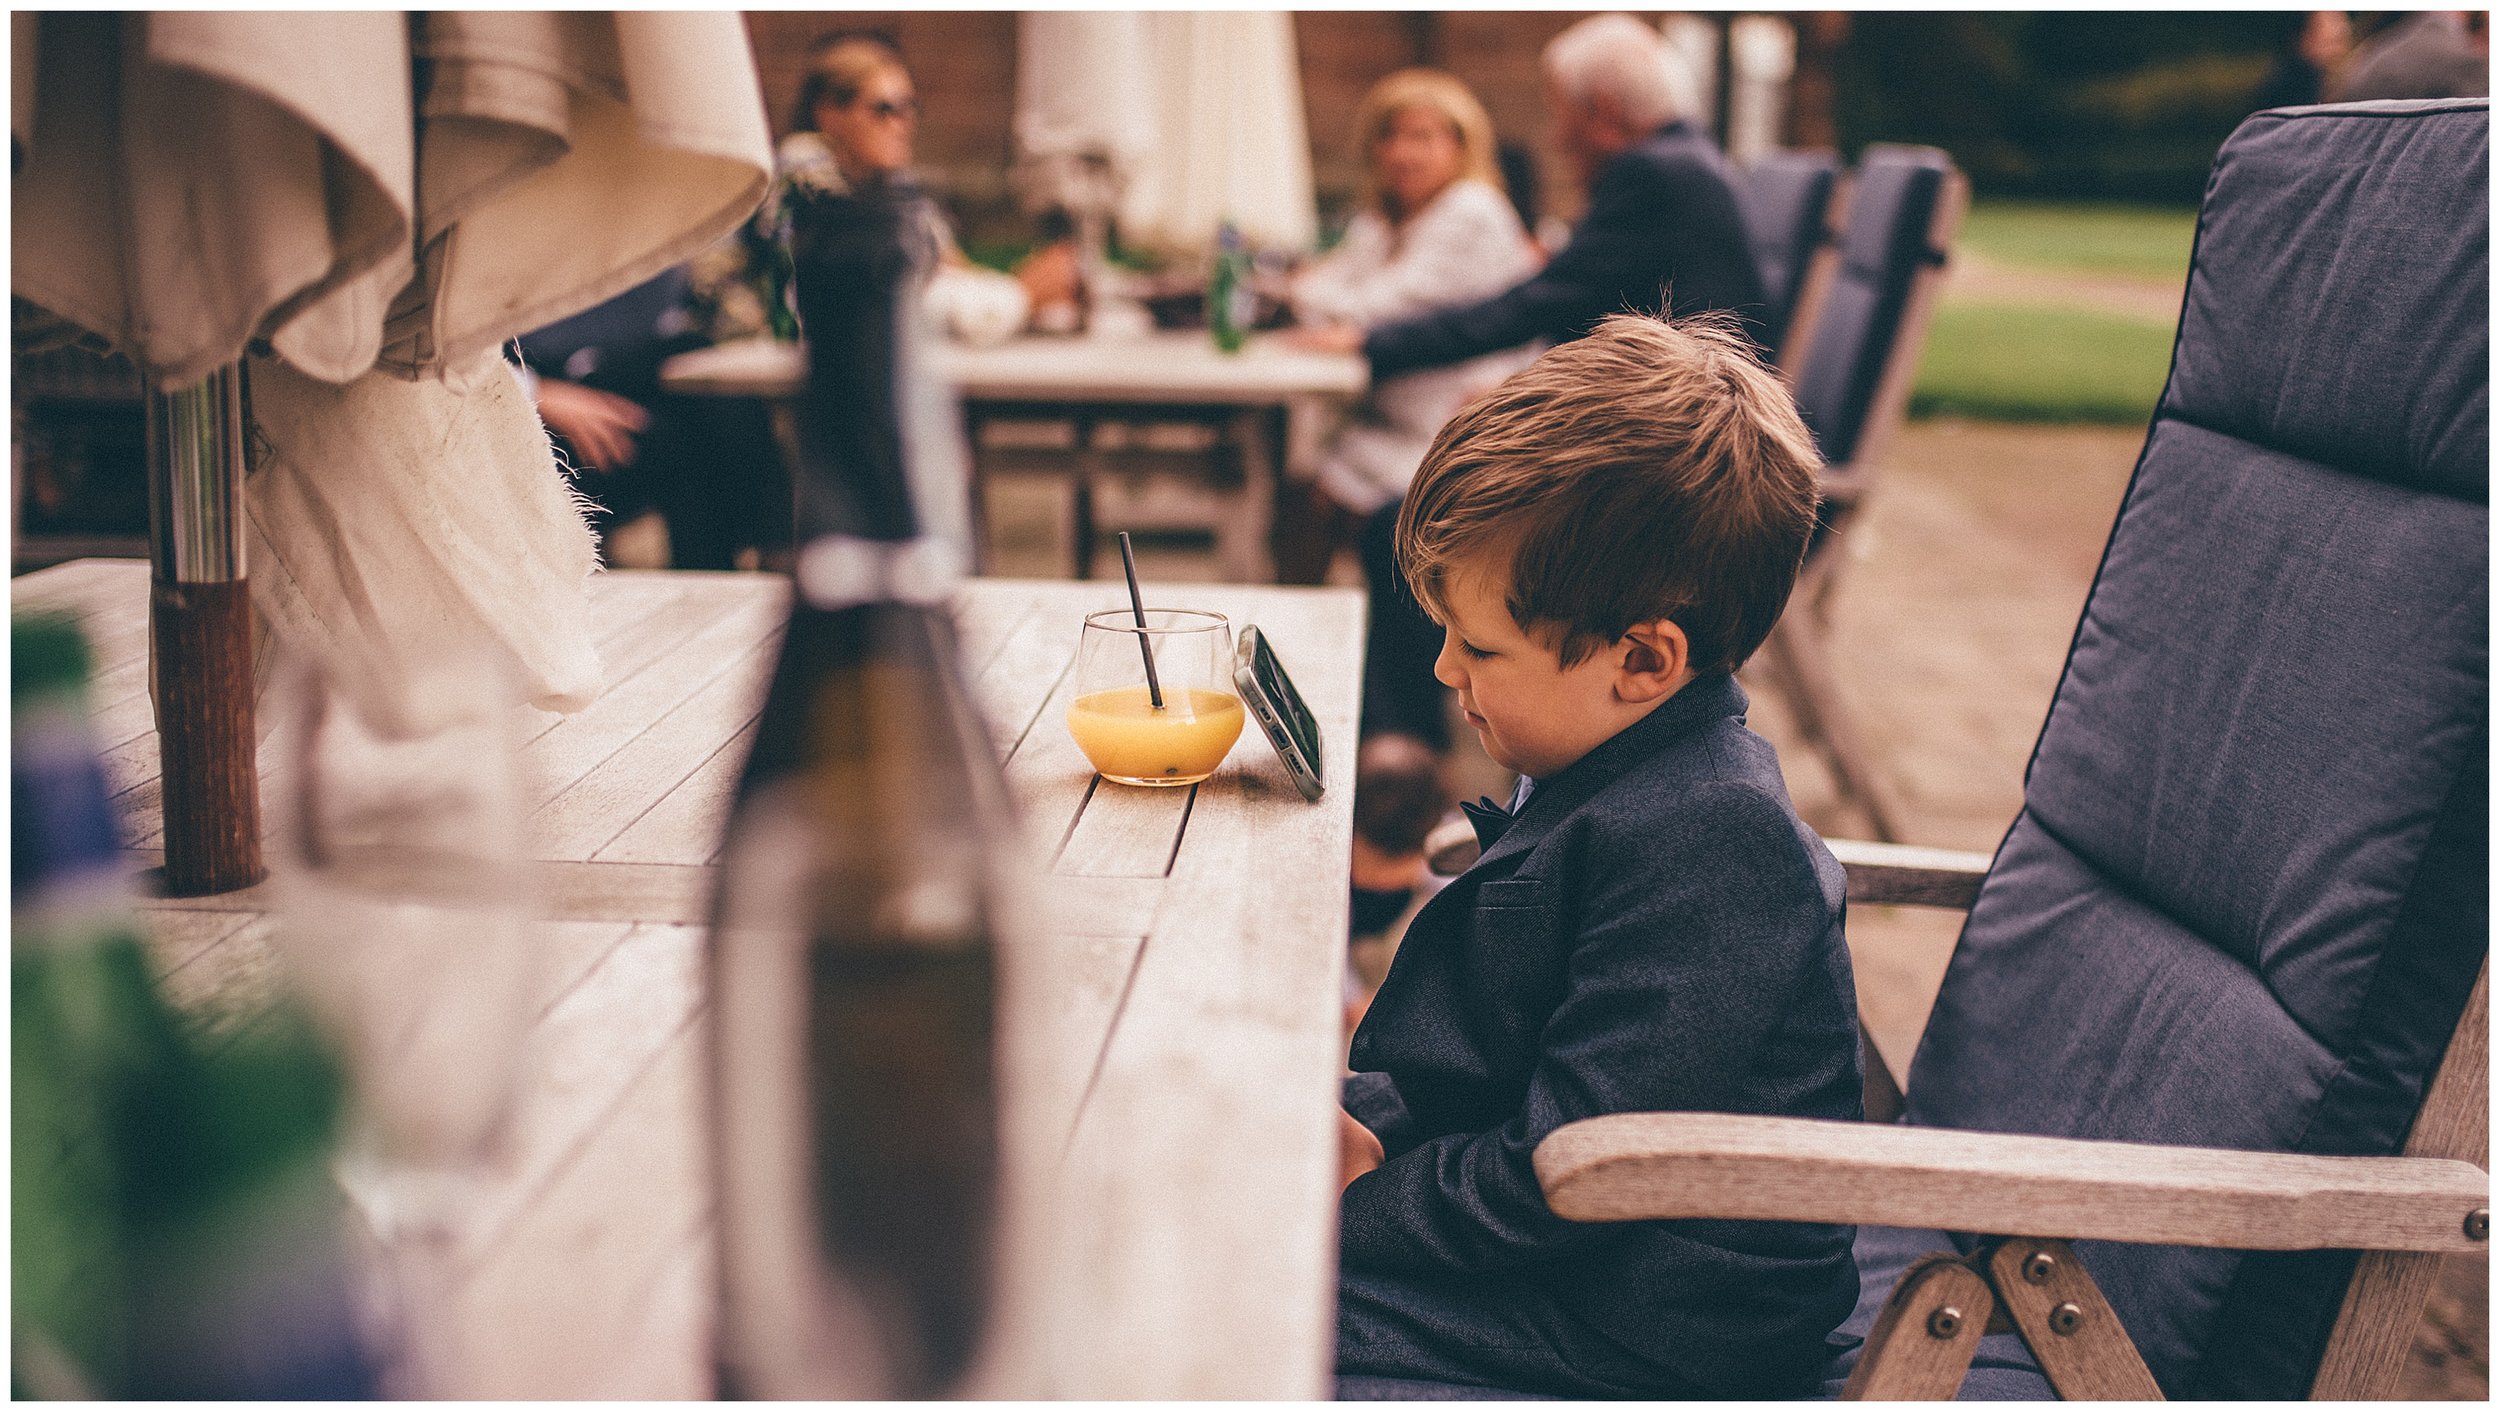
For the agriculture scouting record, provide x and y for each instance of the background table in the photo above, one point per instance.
(1256, 398)
(1172, 1020)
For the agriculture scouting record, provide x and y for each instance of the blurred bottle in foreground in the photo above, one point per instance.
(854, 964)
(1232, 306)
(174, 1227)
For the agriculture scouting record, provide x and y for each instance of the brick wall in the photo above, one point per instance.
(965, 66)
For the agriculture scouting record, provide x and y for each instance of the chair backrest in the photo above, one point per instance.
(1854, 380)
(1785, 197)
(2247, 895)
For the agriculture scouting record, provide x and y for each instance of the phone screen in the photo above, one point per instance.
(1278, 690)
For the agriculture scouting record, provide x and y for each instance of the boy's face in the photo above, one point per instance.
(1533, 714)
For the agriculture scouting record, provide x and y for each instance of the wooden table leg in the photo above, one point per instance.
(1241, 539)
(200, 629)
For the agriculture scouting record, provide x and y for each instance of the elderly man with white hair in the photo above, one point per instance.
(1662, 233)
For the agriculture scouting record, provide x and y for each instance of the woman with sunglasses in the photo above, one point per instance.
(857, 115)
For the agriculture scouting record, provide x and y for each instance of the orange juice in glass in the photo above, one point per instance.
(1116, 718)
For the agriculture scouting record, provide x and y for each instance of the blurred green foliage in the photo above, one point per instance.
(2129, 106)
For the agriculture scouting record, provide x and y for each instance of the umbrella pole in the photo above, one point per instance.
(200, 627)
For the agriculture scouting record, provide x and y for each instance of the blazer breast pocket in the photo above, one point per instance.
(1512, 971)
(1505, 894)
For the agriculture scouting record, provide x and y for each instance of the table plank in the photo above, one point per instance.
(590, 811)
(1176, 367)
(1224, 1060)
(729, 654)
(565, 1307)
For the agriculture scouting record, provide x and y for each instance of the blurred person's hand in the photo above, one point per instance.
(1050, 274)
(600, 425)
(1326, 338)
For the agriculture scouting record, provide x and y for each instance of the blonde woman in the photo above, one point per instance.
(1434, 230)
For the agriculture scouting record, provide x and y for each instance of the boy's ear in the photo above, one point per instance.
(1653, 660)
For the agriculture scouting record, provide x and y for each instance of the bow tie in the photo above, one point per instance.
(1490, 819)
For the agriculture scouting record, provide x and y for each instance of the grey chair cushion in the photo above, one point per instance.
(2349, 323)
(2247, 893)
(1786, 200)
(1892, 203)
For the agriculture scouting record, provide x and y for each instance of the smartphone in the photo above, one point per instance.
(1270, 697)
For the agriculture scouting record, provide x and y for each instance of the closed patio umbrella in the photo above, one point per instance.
(1230, 142)
(372, 203)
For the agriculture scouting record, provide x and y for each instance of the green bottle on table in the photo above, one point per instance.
(1231, 306)
(853, 960)
(173, 1223)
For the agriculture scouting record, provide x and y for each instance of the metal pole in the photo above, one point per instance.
(200, 625)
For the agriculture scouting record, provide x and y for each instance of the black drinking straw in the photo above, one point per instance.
(1137, 605)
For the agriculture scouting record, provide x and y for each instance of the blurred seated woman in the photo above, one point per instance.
(858, 113)
(1435, 229)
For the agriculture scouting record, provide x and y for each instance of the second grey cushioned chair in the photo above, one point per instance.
(1786, 199)
(1853, 387)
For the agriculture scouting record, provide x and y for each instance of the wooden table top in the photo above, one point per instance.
(1160, 368)
(1171, 1030)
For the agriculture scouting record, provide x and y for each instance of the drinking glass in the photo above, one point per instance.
(406, 898)
(1116, 719)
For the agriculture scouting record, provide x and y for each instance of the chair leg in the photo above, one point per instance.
(1922, 1343)
(2071, 1330)
(1794, 656)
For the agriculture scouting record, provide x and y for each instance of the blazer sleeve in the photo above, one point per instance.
(1683, 964)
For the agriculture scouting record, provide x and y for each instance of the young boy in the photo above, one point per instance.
(1604, 538)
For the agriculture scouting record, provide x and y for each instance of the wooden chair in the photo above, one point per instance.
(1868, 326)
(1786, 199)
(2204, 1093)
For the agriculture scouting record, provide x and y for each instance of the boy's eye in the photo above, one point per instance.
(1473, 650)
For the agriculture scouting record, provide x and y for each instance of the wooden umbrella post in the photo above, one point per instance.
(200, 626)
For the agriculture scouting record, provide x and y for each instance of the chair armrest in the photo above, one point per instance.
(1917, 877)
(1720, 1166)
(1878, 872)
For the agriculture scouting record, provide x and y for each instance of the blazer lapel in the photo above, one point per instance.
(1702, 701)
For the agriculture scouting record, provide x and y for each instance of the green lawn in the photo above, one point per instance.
(2053, 356)
(2101, 238)
(2041, 363)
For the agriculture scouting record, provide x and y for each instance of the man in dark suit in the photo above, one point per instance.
(1605, 538)
(1662, 235)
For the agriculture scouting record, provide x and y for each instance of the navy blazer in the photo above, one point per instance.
(1657, 930)
(1662, 232)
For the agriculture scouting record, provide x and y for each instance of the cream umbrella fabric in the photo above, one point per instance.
(194, 184)
(1084, 85)
(1231, 143)
(194, 180)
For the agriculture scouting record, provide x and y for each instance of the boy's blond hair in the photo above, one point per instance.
(1649, 470)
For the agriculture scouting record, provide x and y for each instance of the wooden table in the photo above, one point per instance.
(1177, 375)
(1171, 1041)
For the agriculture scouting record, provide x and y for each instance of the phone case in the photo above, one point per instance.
(1270, 713)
